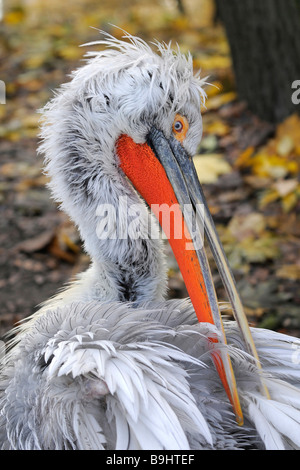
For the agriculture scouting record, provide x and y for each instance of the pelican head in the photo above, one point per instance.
(127, 125)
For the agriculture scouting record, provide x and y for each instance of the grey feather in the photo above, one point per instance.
(108, 363)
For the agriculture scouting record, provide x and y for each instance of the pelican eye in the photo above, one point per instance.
(180, 127)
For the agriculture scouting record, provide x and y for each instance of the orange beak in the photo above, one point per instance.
(154, 171)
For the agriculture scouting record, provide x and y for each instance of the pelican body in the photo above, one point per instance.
(109, 363)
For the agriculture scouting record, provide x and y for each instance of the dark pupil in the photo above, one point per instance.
(178, 126)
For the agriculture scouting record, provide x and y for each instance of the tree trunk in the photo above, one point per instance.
(264, 37)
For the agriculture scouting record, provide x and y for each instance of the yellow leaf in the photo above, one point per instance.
(31, 121)
(289, 201)
(213, 62)
(285, 145)
(13, 136)
(289, 271)
(70, 243)
(278, 158)
(14, 17)
(297, 149)
(203, 12)
(218, 128)
(260, 250)
(214, 88)
(209, 167)
(269, 165)
(244, 157)
(285, 190)
(35, 61)
(70, 52)
(246, 238)
(220, 100)
(270, 195)
(289, 127)
(2, 111)
(293, 167)
(181, 23)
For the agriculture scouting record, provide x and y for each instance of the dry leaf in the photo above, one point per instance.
(289, 201)
(273, 165)
(19, 169)
(251, 225)
(268, 196)
(28, 183)
(284, 187)
(285, 146)
(210, 167)
(289, 271)
(244, 157)
(287, 191)
(56, 250)
(218, 128)
(214, 88)
(213, 62)
(219, 100)
(37, 243)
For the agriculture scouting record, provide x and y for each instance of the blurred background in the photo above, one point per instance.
(248, 159)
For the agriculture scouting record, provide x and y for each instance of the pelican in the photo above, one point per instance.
(109, 363)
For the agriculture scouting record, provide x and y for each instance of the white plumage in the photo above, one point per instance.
(108, 363)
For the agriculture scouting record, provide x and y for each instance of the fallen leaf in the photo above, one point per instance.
(209, 143)
(19, 169)
(274, 166)
(14, 17)
(247, 240)
(219, 100)
(56, 250)
(218, 128)
(285, 146)
(285, 224)
(257, 182)
(37, 243)
(28, 183)
(251, 225)
(31, 121)
(70, 52)
(289, 129)
(260, 250)
(69, 243)
(262, 295)
(289, 271)
(244, 157)
(268, 196)
(289, 201)
(287, 191)
(213, 62)
(214, 88)
(284, 187)
(210, 167)
(35, 60)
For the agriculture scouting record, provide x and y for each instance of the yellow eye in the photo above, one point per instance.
(180, 127)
